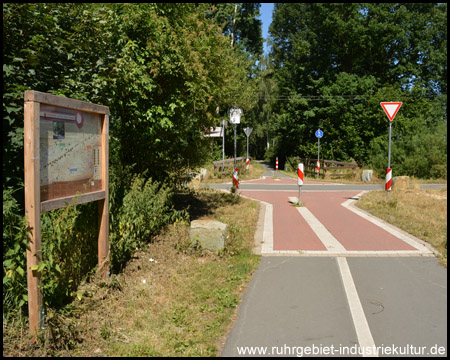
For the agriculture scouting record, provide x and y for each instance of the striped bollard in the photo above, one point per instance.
(318, 167)
(388, 180)
(300, 181)
(236, 178)
(276, 164)
(248, 163)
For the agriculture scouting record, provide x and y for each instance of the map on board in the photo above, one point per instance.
(70, 152)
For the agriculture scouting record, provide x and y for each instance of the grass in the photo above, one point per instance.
(171, 300)
(255, 171)
(348, 177)
(422, 213)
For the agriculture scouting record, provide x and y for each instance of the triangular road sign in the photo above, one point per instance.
(391, 109)
(248, 131)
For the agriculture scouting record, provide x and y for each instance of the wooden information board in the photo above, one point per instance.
(66, 162)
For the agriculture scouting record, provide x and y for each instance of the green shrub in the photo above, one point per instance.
(146, 209)
(69, 251)
(14, 256)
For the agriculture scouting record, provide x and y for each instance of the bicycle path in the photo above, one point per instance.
(333, 278)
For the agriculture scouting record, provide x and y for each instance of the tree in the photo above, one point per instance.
(239, 21)
(332, 60)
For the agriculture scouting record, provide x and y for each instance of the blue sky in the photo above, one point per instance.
(266, 18)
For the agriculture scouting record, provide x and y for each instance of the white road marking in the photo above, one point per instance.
(327, 239)
(334, 247)
(267, 245)
(365, 339)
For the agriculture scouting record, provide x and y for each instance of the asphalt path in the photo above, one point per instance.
(334, 280)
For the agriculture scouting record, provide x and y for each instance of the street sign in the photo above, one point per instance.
(248, 131)
(319, 134)
(214, 132)
(235, 115)
(391, 109)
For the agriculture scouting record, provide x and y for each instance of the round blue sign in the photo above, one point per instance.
(319, 133)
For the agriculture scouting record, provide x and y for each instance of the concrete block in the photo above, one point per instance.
(210, 234)
(367, 175)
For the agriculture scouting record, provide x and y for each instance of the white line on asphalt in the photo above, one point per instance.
(267, 245)
(327, 239)
(365, 339)
(267, 242)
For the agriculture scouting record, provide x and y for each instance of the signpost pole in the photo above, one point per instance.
(391, 109)
(319, 134)
(389, 158)
(247, 146)
(389, 149)
(235, 118)
(247, 132)
(223, 143)
(234, 145)
(318, 153)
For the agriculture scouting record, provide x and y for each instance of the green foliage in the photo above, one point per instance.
(69, 251)
(163, 69)
(146, 209)
(240, 21)
(372, 53)
(15, 242)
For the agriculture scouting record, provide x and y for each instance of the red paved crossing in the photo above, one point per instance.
(292, 232)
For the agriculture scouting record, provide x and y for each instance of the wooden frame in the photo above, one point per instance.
(33, 204)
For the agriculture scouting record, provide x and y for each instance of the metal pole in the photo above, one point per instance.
(234, 145)
(389, 153)
(247, 149)
(299, 195)
(318, 153)
(223, 143)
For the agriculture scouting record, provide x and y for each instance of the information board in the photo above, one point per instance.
(70, 152)
(66, 163)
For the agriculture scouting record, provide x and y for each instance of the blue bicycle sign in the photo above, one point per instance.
(319, 134)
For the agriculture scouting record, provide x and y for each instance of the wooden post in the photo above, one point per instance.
(32, 211)
(103, 206)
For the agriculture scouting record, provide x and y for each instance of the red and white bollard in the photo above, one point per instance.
(300, 174)
(300, 181)
(248, 163)
(318, 167)
(236, 178)
(388, 179)
(276, 164)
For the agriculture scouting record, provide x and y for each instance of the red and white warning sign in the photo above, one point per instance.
(300, 174)
(391, 109)
(388, 184)
(236, 178)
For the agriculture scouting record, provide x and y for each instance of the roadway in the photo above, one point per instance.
(335, 280)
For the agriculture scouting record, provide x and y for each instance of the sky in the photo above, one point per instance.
(266, 18)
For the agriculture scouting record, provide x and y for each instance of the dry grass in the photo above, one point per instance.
(347, 176)
(171, 300)
(255, 171)
(422, 213)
